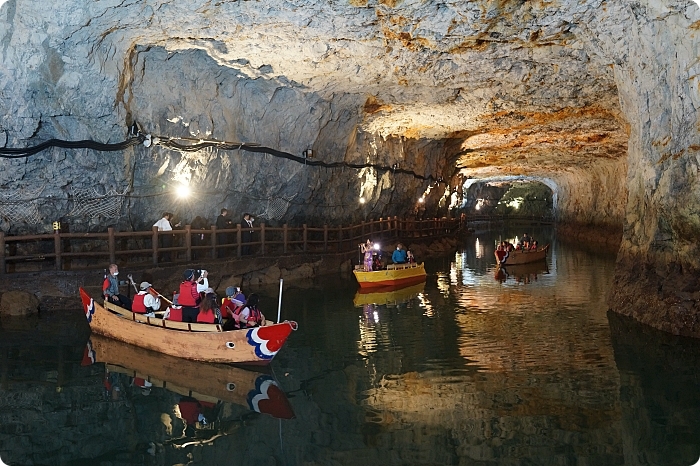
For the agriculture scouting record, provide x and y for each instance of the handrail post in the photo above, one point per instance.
(325, 238)
(285, 232)
(111, 245)
(154, 245)
(305, 236)
(238, 240)
(213, 242)
(262, 238)
(2, 252)
(188, 242)
(340, 238)
(57, 249)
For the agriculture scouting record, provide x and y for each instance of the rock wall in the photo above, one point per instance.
(655, 70)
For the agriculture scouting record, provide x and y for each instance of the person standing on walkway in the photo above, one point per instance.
(166, 239)
(223, 222)
(247, 233)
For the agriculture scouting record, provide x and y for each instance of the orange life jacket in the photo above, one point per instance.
(189, 296)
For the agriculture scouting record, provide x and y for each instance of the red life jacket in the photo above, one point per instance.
(190, 410)
(137, 305)
(254, 317)
(230, 308)
(206, 317)
(175, 313)
(189, 296)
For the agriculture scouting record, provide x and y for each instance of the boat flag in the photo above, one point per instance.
(88, 305)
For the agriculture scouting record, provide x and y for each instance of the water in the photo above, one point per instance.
(473, 368)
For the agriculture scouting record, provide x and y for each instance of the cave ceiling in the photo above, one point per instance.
(506, 86)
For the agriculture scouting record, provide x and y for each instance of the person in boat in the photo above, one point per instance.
(144, 302)
(377, 261)
(399, 256)
(250, 315)
(232, 306)
(501, 255)
(110, 288)
(409, 257)
(367, 249)
(533, 246)
(208, 311)
(189, 297)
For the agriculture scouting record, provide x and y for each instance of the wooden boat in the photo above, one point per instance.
(198, 342)
(203, 381)
(523, 257)
(391, 295)
(393, 275)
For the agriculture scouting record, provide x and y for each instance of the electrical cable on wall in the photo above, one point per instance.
(138, 137)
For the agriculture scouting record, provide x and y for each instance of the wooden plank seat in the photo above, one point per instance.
(171, 324)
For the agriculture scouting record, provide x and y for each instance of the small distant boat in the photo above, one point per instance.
(203, 381)
(517, 257)
(198, 342)
(393, 275)
(391, 295)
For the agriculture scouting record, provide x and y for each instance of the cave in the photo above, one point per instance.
(593, 100)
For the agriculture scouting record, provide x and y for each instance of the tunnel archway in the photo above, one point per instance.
(511, 196)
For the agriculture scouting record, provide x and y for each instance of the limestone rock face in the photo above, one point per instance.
(18, 303)
(597, 99)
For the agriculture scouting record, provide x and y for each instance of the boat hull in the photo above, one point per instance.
(399, 275)
(388, 296)
(526, 257)
(209, 343)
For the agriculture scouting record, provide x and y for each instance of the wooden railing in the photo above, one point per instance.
(513, 219)
(70, 251)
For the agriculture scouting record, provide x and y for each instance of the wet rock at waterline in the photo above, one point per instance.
(18, 303)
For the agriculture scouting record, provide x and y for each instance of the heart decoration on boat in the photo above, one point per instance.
(268, 398)
(268, 340)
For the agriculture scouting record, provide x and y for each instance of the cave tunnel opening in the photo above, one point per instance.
(510, 196)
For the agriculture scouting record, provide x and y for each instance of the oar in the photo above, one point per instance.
(131, 279)
(150, 291)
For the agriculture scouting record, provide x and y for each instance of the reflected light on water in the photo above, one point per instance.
(479, 249)
(426, 305)
(443, 283)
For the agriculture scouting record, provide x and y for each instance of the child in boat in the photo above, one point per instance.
(409, 257)
(232, 306)
(208, 312)
(251, 316)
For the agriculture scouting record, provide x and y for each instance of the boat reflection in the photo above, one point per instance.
(387, 296)
(521, 273)
(205, 382)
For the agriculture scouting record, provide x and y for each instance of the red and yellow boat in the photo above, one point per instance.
(393, 275)
(198, 342)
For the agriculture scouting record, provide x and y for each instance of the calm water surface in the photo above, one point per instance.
(474, 367)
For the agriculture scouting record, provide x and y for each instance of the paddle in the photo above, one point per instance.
(152, 292)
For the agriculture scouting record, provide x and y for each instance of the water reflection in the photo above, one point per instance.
(467, 371)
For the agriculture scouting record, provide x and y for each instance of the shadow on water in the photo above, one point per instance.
(659, 393)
